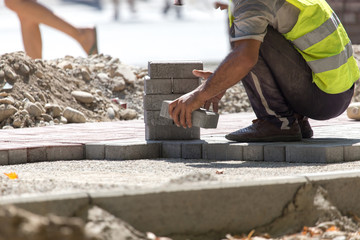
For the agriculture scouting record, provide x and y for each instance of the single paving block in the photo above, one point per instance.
(132, 151)
(154, 102)
(17, 156)
(235, 151)
(215, 151)
(158, 86)
(192, 150)
(4, 157)
(72, 152)
(95, 151)
(185, 85)
(173, 69)
(36, 154)
(274, 153)
(200, 117)
(316, 153)
(171, 149)
(171, 133)
(153, 118)
(352, 152)
(253, 152)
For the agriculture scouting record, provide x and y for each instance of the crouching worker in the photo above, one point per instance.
(295, 61)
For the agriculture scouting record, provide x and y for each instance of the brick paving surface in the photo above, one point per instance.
(334, 140)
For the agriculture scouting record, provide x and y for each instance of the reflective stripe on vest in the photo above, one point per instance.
(323, 42)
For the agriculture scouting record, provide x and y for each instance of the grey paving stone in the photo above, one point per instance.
(314, 153)
(185, 85)
(153, 118)
(200, 117)
(55, 153)
(158, 86)
(171, 149)
(215, 151)
(192, 150)
(235, 151)
(4, 157)
(133, 151)
(352, 152)
(173, 69)
(253, 152)
(171, 133)
(274, 153)
(37, 154)
(95, 151)
(17, 156)
(154, 102)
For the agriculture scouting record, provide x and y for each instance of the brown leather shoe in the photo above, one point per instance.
(264, 131)
(305, 127)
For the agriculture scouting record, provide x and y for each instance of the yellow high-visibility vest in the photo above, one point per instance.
(323, 42)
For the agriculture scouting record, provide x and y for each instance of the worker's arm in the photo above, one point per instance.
(235, 67)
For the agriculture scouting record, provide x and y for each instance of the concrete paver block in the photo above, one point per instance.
(185, 85)
(158, 86)
(235, 151)
(315, 153)
(36, 154)
(17, 156)
(352, 153)
(171, 149)
(154, 102)
(173, 69)
(95, 151)
(192, 149)
(274, 153)
(4, 157)
(133, 151)
(215, 151)
(171, 133)
(200, 117)
(75, 152)
(153, 118)
(253, 152)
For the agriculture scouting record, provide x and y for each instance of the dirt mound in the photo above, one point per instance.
(40, 93)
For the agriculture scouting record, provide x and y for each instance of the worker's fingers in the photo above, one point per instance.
(207, 105)
(202, 74)
(183, 118)
(174, 112)
(188, 119)
(215, 107)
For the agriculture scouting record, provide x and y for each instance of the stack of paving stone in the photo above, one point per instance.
(168, 81)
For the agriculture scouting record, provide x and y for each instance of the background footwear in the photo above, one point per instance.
(264, 131)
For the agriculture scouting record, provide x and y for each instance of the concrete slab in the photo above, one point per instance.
(154, 102)
(185, 85)
(158, 86)
(171, 132)
(130, 151)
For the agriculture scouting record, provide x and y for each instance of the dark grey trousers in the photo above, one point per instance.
(281, 84)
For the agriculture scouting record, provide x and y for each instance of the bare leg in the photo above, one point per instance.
(31, 38)
(29, 11)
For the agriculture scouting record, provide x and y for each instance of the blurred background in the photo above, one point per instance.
(135, 31)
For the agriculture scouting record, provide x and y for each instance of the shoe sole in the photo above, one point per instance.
(290, 138)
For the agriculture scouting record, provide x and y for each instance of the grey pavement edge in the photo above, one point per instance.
(199, 118)
(210, 210)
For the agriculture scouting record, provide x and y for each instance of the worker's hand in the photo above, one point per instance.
(221, 5)
(180, 109)
(215, 100)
